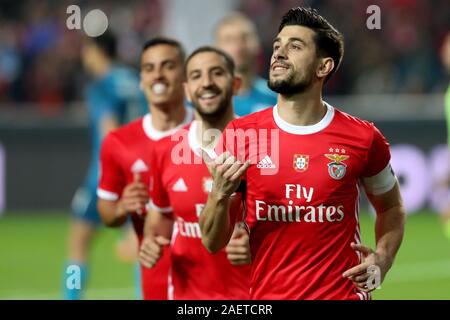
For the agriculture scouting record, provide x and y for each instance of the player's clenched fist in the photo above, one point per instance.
(151, 250)
(238, 249)
(226, 172)
(134, 197)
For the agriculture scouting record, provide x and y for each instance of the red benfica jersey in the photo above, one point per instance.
(302, 200)
(125, 151)
(181, 186)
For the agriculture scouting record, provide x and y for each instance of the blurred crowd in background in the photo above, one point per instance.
(40, 58)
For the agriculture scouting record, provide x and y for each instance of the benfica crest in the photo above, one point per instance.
(301, 162)
(337, 167)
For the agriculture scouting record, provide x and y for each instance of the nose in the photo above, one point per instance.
(280, 53)
(158, 73)
(207, 80)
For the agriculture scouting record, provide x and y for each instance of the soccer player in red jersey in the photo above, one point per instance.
(123, 189)
(181, 183)
(301, 163)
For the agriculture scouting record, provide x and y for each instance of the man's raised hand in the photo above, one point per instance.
(226, 172)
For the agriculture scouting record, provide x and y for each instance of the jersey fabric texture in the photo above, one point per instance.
(181, 183)
(302, 199)
(124, 152)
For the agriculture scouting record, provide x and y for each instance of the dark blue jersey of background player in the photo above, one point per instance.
(113, 98)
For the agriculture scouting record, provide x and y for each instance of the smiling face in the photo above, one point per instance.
(294, 60)
(210, 85)
(162, 74)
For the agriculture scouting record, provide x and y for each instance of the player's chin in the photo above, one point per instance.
(208, 108)
(159, 99)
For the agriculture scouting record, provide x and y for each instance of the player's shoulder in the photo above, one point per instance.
(122, 81)
(170, 140)
(350, 122)
(164, 147)
(119, 72)
(126, 133)
(354, 128)
(254, 120)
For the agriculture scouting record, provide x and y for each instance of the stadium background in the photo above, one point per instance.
(392, 76)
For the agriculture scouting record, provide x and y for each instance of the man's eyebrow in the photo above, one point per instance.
(194, 71)
(217, 68)
(164, 62)
(291, 39)
(297, 39)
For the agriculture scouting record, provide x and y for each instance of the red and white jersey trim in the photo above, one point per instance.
(301, 130)
(155, 134)
(380, 183)
(107, 195)
(153, 206)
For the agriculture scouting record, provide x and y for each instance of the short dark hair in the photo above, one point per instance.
(228, 60)
(167, 41)
(329, 41)
(107, 43)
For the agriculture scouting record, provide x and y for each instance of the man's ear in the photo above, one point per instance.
(326, 65)
(141, 85)
(187, 94)
(237, 82)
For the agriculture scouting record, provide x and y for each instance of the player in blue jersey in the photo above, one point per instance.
(236, 35)
(113, 98)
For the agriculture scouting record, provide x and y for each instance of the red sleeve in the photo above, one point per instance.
(159, 196)
(378, 156)
(112, 180)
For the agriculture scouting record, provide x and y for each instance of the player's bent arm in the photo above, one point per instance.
(390, 222)
(157, 232)
(113, 214)
(158, 224)
(217, 220)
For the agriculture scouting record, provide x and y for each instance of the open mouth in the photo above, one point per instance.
(209, 96)
(159, 88)
(279, 67)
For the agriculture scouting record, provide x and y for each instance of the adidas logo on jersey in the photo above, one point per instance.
(266, 163)
(180, 186)
(139, 166)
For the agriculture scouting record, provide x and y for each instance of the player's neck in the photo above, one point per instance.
(303, 109)
(216, 126)
(102, 68)
(164, 119)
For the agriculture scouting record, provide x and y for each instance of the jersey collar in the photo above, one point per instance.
(154, 134)
(194, 143)
(301, 130)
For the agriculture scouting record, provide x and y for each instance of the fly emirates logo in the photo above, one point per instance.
(190, 229)
(294, 212)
